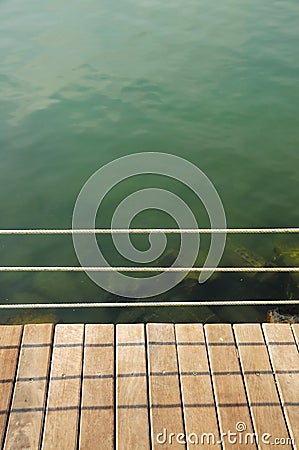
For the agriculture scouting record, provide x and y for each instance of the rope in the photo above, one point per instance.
(141, 231)
(148, 304)
(153, 230)
(144, 269)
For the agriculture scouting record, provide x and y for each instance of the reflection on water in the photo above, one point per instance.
(84, 83)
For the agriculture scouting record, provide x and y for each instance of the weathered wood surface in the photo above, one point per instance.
(10, 339)
(97, 404)
(62, 409)
(284, 358)
(230, 395)
(164, 386)
(196, 386)
(28, 403)
(260, 384)
(132, 427)
(169, 386)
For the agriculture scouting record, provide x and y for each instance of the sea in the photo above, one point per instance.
(85, 83)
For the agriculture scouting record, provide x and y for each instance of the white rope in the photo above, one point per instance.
(144, 269)
(148, 304)
(152, 230)
(141, 231)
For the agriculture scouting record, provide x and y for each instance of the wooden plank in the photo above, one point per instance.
(25, 422)
(10, 339)
(262, 393)
(285, 362)
(164, 387)
(132, 415)
(230, 395)
(61, 423)
(26, 417)
(197, 393)
(97, 413)
(295, 329)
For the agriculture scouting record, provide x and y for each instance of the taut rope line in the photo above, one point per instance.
(148, 304)
(143, 269)
(152, 230)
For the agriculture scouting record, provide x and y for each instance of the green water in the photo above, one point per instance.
(83, 83)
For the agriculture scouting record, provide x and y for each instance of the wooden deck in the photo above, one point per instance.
(149, 386)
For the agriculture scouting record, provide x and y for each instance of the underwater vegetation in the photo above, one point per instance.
(221, 286)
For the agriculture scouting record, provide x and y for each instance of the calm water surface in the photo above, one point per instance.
(83, 83)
